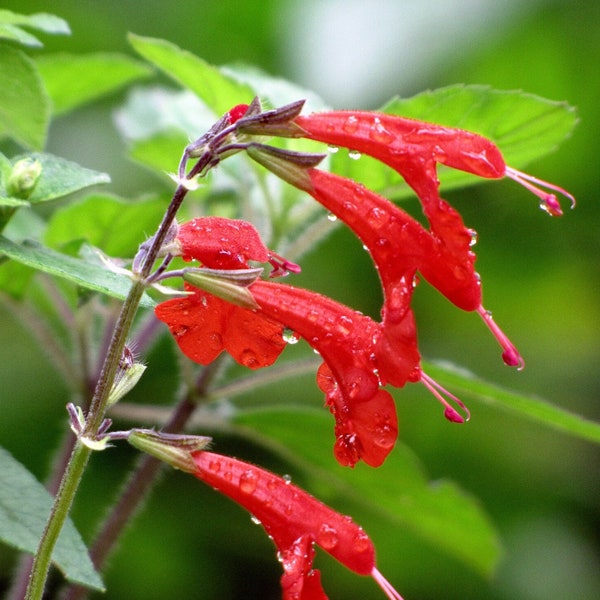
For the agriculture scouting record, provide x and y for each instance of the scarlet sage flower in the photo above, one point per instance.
(204, 325)
(366, 425)
(413, 148)
(295, 521)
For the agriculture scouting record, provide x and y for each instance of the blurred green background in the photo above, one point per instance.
(541, 278)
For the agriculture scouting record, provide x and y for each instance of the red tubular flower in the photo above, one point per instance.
(295, 521)
(204, 325)
(366, 421)
(414, 147)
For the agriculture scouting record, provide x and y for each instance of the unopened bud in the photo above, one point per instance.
(23, 178)
(229, 285)
(175, 449)
(289, 165)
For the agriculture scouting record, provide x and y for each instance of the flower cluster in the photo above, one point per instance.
(360, 355)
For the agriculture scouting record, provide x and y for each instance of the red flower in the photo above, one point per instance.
(204, 325)
(295, 521)
(366, 422)
(414, 147)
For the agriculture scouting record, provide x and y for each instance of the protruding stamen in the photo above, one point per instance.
(449, 411)
(549, 202)
(510, 354)
(282, 266)
(385, 585)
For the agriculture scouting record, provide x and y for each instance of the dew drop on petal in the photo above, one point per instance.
(354, 154)
(255, 520)
(332, 217)
(327, 537)
(248, 481)
(287, 478)
(378, 133)
(362, 542)
(214, 466)
(332, 149)
(249, 359)
(351, 124)
(473, 235)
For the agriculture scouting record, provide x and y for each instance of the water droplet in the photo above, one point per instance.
(290, 337)
(249, 359)
(362, 543)
(287, 479)
(327, 537)
(378, 133)
(214, 466)
(332, 149)
(351, 124)
(248, 481)
(473, 235)
(332, 217)
(354, 154)
(228, 476)
(255, 520)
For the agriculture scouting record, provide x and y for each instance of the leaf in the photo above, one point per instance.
(527, 407)
(59, 177)
(525, 127)
(439, 512)
(73, 80)
(217, 90)
(83, 273)
(24, 507)
(24, 103)
(11, 24)
(106, 222)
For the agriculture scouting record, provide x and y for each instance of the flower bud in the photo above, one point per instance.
(229, 285)
(175, 449)
(23, 178)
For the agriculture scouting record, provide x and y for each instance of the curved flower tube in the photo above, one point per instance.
(295, 521)
(366, 422)
(413, 148)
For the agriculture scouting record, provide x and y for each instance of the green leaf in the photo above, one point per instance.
(106, 222)
(83, 273)
(24, 103)
(217, 90)
(399, 492)
(11, 26)
(24, 507)
(73, 80)
(524, 127)
(527, 407)
(59, 177)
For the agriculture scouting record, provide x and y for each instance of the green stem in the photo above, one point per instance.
(58, 515)
(81, 453)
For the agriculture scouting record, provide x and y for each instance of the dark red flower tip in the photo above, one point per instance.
(204, 326)
(295, 521)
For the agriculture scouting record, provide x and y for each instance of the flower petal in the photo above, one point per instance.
(366, 431)
(204, 325)
(220, 243)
